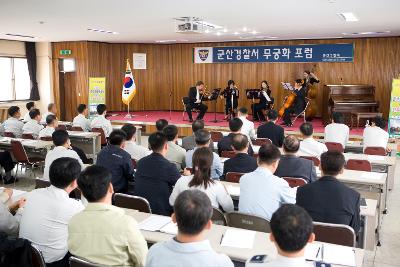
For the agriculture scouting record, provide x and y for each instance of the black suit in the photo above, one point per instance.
(226, 145)
(293, 166)
(330, 201)
(242, 162)
(272, 131)
(297, 107)
(192, 104)
(154, 179)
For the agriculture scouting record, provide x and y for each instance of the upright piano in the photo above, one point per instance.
(347, 99)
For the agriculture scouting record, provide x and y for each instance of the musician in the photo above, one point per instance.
(309, 79)
(298, 105)
(196, 95)
(230, 93)
(266, 101)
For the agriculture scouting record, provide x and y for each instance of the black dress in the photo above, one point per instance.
(258, 108)
(228, 93)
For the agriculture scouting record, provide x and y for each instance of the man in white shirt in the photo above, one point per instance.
(100, 120)
(47, 212)
(337, 131)
(62, 149)
(189, 247)
(51, 110)
(52, 124)
(136, 151)
(261, 192)
(175, 153)
(309, 146)
(29, 107)
(375, 135)
(10, 214)
(291, 231)
(13, 124)
(33, 126)
(80, 120)
(248, 126)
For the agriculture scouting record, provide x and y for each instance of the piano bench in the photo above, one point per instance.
(363, 115)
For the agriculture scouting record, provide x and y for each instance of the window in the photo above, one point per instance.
(15, 82)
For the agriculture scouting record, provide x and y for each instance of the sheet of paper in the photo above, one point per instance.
(171, 228)
(313, 252)
(339, 255)
(233, 190)
(238, 238)
(154, 223)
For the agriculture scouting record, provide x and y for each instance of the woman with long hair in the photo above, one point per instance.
(266, 100)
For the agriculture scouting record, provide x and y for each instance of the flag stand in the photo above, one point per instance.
(128, 116)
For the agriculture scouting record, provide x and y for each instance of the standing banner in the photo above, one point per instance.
(97, 93)
(394, 112)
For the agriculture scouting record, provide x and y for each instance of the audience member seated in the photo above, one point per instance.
(62, 149)
(51, 110)
(291, 165)
(375, 135)
(114, 158)
(13, 124)
(100, 120)
(235, 126)
(103, 233)
(7, 163)
(328, 200)
(203, 139)
(80, 120)
(33, 126)
(309, 146)
(189, 142)
(248, 126)
(189, 247)
(201, 180)
(161, 124)
(337, 131)
(51, 125)
(136, 151)
(175, 153)
(29, 106)
(291, 231)
(47, 211)
(241, 162)
(261, 192)
(271, 130)
(10, 214)
(155, 175)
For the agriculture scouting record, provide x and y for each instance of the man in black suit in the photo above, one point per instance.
(242, 162)
(270, 130)
(195, 98)
(328, 200)
(292, 166)
(225, 144)
(155, 176)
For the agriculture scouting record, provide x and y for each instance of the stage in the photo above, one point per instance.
(148, 118)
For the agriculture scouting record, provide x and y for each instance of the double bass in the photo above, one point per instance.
(311, 90)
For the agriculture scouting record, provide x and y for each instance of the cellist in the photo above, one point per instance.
(298, 105)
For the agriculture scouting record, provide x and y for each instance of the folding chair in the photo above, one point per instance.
(303, 113)
(218, 217)
(247, 221)
(233, 177)
(228, 154)
(338, 234)
(314, 159)
(216, 136)
(295, 182)
(261, 141)
(132, 202)
(102, 135)
(27, 136)
(9, 134)
(375, 150)
(37, 257)
(76, 129)
(185, 102)
(22, 158)
(332, 146)
(77, 262)
(359, 165)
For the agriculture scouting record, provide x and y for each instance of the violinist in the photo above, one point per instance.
(196, 95)
(266, 100)
(299, 103)
(231, 95)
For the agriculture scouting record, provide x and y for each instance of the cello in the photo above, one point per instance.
(287, 103)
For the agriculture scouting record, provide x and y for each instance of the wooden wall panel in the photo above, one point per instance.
(171, 68)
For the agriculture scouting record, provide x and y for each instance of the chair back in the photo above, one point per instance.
(247, 221)
(76, 262)
(295, 182)
(375, 150)
(76, 129)
(314, 159)
(218, 217)
(19, 152)
(228, 154)
(27, 136)
(102, 135)
(46, 138)
(9, 134)
(40, 183)
(131, 202)
(359, 165)
(261, 141)
(216, 136)
(338, 234)
(37, 257)
(233, 177)
(62, 127)
(332, 146)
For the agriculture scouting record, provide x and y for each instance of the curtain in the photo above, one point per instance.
(30, 50)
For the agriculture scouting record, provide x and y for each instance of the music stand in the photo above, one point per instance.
(214, 97)
(253, 94)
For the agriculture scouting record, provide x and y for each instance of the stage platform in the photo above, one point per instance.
(148, 119)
